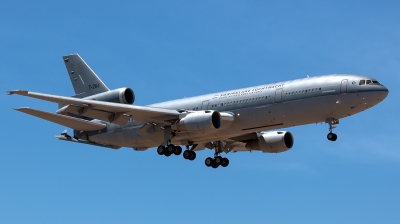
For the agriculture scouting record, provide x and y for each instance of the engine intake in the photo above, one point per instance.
(121, 95)
(273, 142)
(201, 121)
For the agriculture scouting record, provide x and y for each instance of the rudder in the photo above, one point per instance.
(83, 78)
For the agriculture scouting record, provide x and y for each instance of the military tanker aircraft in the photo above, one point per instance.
(230, 121)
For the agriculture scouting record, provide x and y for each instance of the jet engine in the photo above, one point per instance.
(201, 121)
(121, 95)
(273, 142)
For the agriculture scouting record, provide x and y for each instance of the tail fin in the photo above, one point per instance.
(83, 78)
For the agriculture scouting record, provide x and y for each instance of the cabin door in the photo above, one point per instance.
(343, 87)
(278, 95)
(204, 106)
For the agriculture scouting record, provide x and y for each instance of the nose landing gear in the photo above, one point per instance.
(332, 122)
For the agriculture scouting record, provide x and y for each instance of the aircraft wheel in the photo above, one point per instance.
(170, 149)
(209, 161)
(161, 150)
(192, 155)
(214, 165)
(331, 136)
(334, 137)
(186, 154)
(225, 162)
(178, 150)
(218, 160)
(167, 154)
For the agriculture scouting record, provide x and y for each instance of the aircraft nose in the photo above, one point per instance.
(383, 92)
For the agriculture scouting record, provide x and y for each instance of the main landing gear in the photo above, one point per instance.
(218, 160)
(332, 122)
(169, 150)
(189, 154)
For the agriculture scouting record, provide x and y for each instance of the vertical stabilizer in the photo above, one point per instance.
(83, 78)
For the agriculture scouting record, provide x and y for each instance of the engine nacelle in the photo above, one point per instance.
(121, 95)
(201, 121)
(273, 142)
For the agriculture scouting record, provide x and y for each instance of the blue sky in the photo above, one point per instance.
(167, 50)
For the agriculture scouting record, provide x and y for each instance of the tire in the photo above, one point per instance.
(330, 136)
(209, 161)
(170, 149)
(178, 150)
(334, 137)
(161, 150)
(192, 155)
(167, 154)
(225, 162)
(218, 160)
(214, 165)
(186, 154)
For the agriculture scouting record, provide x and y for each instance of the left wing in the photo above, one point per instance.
(110, 112)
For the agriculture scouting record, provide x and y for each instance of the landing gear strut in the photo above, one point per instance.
(218, 160)
(332, 122)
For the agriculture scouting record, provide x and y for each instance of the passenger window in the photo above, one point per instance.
(362, 82)
(368, 82)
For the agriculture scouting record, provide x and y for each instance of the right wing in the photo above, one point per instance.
(107, 111)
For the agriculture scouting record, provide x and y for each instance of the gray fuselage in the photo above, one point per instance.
(261, 108)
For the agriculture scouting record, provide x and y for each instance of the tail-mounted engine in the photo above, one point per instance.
(121, 95)
(273, 142)
(201, 121)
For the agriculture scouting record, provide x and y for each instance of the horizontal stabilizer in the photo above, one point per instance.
(60, 137)
(67, 121)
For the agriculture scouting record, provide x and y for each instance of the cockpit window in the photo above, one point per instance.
(375, 82)
(368, 82)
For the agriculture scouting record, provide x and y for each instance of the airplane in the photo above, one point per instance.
(241, 120)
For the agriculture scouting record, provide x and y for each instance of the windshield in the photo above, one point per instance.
(368, 82)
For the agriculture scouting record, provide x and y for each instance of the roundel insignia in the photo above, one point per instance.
(354, 82)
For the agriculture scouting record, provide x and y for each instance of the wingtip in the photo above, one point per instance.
(21, 92)
(21, 108)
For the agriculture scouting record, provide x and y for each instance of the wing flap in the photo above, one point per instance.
(67, 121)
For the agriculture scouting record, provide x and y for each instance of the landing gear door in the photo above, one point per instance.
(204, 106)
(343, 87)
(278, 95)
